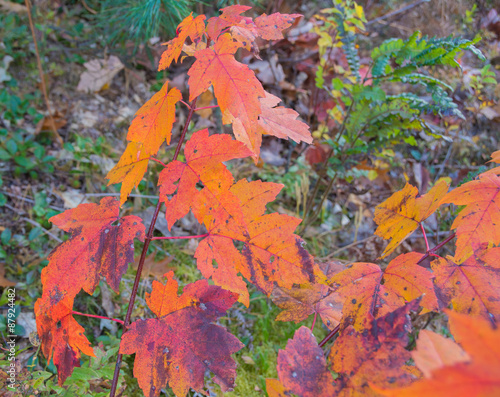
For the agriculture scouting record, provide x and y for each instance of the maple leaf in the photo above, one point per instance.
(271, 253)
(435, 351)
(204, 157)
(270, 27)
(401, 214)
(370, 293)
(129, 170)
(300, 302)
(281, 122)
(479, 377)
(97, 247)
(235, 86)
(182, 343)
(302, 367)
(189, 27)
(472, 287)
(153, 122)
(230, 16)
(476, 223)
(376, 356)
(61, 337)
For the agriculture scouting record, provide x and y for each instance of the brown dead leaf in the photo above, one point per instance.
(99, 74)
(3, 281)
(156, 269)
(45, 124)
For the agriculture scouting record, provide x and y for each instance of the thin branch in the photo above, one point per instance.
(329, 336)
(207, 107)
(425, 237)
(158, 161)
(42, 79)
(432, 251)
(148, 240)
(179, 237)
(94, 316)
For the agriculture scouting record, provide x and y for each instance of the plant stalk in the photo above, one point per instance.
(148, 239)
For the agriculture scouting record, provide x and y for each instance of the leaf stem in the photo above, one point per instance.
(329, 336)
(314, 321)
(179, 237)
(158, 161)
(425, 237)
(94, 316)
(432, 251)
(207, 107)
(149, 237)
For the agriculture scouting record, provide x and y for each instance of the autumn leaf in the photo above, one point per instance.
(129, 170)
(376, 356)
(97, 247)
(204, 163)
(302, 367)
(270, 27)
(478, 378)
(153, 122)
(401, 214)
(271, 253)
(230, 16)
(182, 342)
(281, 122)
(472, 287)
(275, 388)
(299, 302)
(189, 27)
(369, 293)
(435, 351)
(235, 86)
(101, 244)
(62, 338)
(477, 223)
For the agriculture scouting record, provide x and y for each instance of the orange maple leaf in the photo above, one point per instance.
(189, 27)
(435, 351)
(61, 337)
(235, 86)
(401, 214)
(270, 27)
(97, 248)
(470, 286)
(181, 344)
(153, 122)
(271, 253)
(129, 170)
(477, 223)
(369, 293)
(281, 122)
(204, 163)
(478, 378)
(300, 302)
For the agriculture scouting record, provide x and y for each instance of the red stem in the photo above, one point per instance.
(149, 237)
(94, 316)
(440, 245)
(187, 104)
(179, 237)
(329, 336)
(158, 161)
(314, 321)
(425, 237)
(206, 107)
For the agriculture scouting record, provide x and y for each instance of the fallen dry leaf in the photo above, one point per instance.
(99, 74)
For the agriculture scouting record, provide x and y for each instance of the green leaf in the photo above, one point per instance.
(5, 236)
